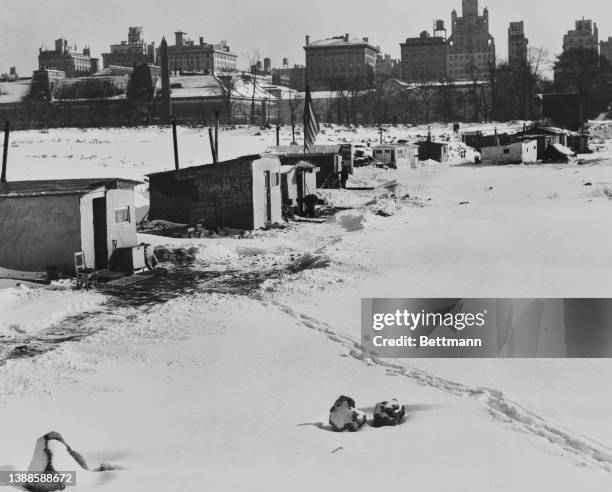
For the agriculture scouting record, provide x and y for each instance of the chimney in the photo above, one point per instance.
(201, 40)
(307, 39)
(367, 40)
(346, 37)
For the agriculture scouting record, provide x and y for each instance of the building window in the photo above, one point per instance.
(122, 215)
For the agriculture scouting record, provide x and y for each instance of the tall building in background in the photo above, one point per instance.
(471, 49)
(424, 58)
(605, 49)
(517, 44)
(67, 59)
(132, 52)
(585, 35)
(340, 62)
(188, 56)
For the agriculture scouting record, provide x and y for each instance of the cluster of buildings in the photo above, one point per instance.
(468, 53)
(184, 56)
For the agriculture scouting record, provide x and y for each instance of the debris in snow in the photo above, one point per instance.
(388, 413)
(464, 203)
(588, 184)
(344, 416)
(351, 222)
(175, 255)
(309, 261)
(52, 454)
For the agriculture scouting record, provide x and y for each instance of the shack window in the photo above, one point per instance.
(122, 215)
(506, 151)
(271, 180)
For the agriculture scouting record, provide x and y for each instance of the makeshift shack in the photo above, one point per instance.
(513, 153)
(298, 181)
(396, 155)
(436, 151)
(335, 162)
(579, 142)
(242, 193)
(48, 221)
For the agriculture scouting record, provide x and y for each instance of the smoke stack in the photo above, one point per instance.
(201, 40)
(346, 37)
(307, 39)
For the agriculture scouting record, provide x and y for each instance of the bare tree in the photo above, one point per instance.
(229, 82)
(294, 101)
(425, 89)
(254, 61)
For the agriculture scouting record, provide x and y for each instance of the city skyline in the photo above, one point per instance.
(277, 30)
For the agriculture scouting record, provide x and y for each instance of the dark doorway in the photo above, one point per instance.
(299, 177)
(268, 183)
(100, 235)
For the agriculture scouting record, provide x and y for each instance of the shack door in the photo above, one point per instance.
(100, 233)
(268, 184)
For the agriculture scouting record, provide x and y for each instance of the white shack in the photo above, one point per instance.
(49, 221)
(512, 153)
(396, 155)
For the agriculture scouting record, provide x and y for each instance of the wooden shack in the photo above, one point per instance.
(242, 193)
(48, 221)
(396, 155)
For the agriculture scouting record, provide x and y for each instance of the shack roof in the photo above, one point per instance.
(186, 171)
(544, 130)
(52, 187)
(392, 145)
(286, 169)
(299, 149)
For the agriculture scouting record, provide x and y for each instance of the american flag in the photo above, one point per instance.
(311, 125)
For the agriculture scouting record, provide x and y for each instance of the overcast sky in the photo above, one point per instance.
(274, 27)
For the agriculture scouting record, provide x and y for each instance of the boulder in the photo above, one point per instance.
(388, 413)
(344, 416)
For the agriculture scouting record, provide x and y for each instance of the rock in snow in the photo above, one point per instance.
(344, 416)
(388, 413)
(53, 454)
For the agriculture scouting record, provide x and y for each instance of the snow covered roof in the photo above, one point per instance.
(48, 187)
(89, 88)
(209, 86)
(299, 149)
(286, 169)
(195, 86)
(562, 149)
(14, 92)
(339, 42)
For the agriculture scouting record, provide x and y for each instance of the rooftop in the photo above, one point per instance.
(340, 42)
(51, 187)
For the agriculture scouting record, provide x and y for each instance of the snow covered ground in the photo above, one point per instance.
(232, 392)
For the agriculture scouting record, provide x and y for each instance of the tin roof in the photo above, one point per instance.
(49, 187)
